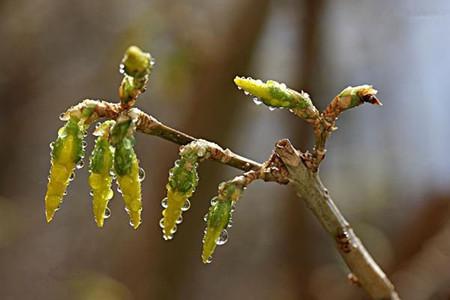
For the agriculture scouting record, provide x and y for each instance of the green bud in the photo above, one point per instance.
(275, 94)
(354, 96)
(219, 218)
(136, 63)
(183, 180)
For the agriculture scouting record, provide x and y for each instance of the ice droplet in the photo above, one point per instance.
(186, 205)
(223, 238)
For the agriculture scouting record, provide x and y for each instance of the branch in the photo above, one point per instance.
(309, 187)
(286, 165)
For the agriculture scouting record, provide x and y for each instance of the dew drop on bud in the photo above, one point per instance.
(107, 213)
(173, 230)
(223, 238)
(161, 223)
(141, 174)
(180, 219)
(209, 260)
(118, 189)
(80, 164)
(205, 218)
(168, 237)
(72, 177)
(122, 68)
(257, 101)
(271, 108)
(84, 144)
(164, 203)
(52, 144)
(213, 201)
(186, 205)
(247, 93)
(91, 193)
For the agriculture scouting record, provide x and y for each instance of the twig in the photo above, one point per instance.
(309, 187)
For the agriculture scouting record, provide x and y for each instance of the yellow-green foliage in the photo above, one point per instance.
(66, 153)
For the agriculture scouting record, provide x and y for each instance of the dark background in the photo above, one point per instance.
(387, 168)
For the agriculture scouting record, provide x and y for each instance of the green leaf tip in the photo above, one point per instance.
(136, 63)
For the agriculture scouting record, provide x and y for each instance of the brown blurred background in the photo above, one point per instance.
(388, 169)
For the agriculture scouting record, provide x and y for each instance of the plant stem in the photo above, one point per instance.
(309, 187)
(286, 164)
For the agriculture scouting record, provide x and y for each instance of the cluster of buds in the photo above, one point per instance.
(113, 156)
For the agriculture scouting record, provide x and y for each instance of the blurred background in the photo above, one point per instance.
(387, 168)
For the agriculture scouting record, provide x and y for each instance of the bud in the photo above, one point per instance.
(100, 178)
(219, 217)
(126, 167)
(136, 63)
(66, 153)
(354, 96)
(274, 94)
(183, 180)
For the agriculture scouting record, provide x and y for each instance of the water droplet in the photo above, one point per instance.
(63, 117)
(223, 238)
(52, 144)
(152, 62)
(72, 177)
(161, 223)
(205, 218)
(271, 108)
(239, 88)
(173, 230)
(180, 219)
(164, 203)
(186, 205)
(257, 101)
(213, 201)
(107, 213)
(247, 93)
(209, 260)
(80, 164)
(168, 237)
(118, 189)
(84, 144)
(91, 193)
(141, 174)
(122, 69)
